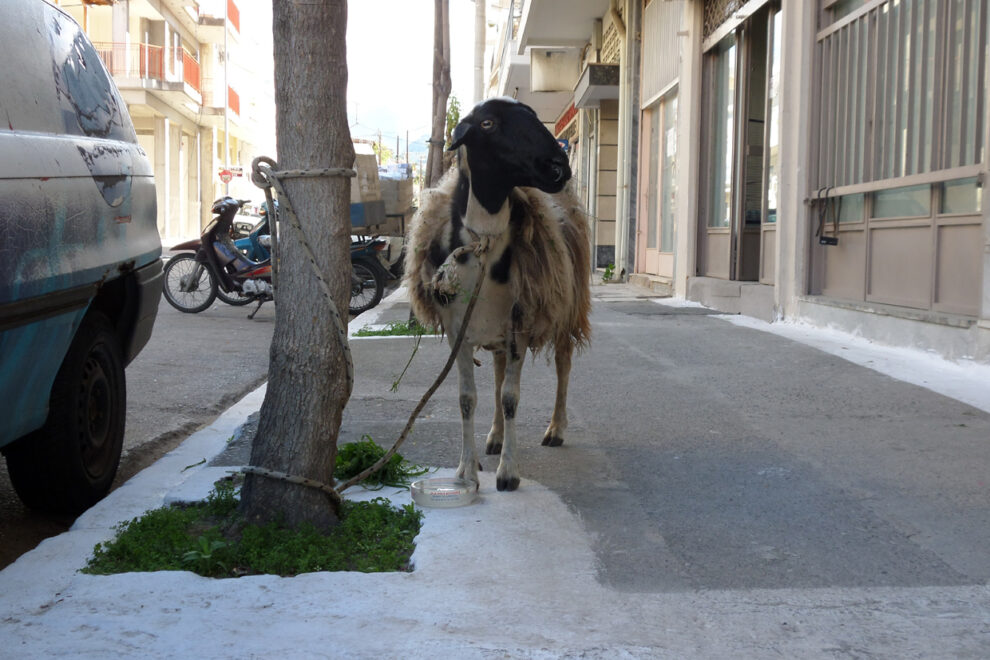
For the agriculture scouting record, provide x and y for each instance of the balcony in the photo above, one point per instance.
(212, 14)
(144, 66)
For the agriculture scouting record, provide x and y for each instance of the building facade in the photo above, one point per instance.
(815, 160)
(202, 105)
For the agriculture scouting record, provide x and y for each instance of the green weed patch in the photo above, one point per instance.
(211, 539)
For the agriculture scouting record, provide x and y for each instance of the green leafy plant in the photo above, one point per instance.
(609, 272)
(355, 457)
(210, 538)
(204, 557)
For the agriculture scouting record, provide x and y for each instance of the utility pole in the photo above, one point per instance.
(407, 145)
(479, 50)
(441, 91)
(226, 102)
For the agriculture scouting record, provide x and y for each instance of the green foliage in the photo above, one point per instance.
(355, 457)
(212, 540)
(609, 271)
(203, 557)
(385, 155)
(396, 329)
(453, 117)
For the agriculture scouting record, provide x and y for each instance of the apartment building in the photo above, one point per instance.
(201, 102)
(819, 160)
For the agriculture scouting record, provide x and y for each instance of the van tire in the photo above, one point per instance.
(69, 464)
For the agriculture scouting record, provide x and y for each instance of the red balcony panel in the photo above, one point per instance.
(234, 15)
(233, 101)
(190, 71)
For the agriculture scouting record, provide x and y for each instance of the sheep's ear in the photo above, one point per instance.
(460, 132)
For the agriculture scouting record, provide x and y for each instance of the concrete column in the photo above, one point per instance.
(191, 146)
(793, 225)
(207, 171)
(162, 174)
(629, 144)
(121, 21)
(174, 199)
(606, 185)
(688, 147)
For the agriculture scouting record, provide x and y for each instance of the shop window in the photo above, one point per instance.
(851, 208)
(668, 182)
(723, 134)
(961, 196)
(910, 202)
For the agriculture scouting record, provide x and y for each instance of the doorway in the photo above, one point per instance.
(738, 191)
(658, 193)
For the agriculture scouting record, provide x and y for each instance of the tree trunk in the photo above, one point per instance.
(307, 388)
(441, 90)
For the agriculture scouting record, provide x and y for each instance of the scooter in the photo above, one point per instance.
(368, 273)
(217, 268)
(239, 272)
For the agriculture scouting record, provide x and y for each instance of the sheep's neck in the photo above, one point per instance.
(481, 222)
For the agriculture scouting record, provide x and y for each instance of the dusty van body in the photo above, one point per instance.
(80, 259)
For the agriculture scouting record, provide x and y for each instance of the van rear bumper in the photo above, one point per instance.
(147, 294)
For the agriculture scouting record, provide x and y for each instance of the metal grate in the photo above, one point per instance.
(902, 90)
(718, 12)
(611, 45)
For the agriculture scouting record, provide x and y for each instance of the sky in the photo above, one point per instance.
(390, 65)
(389, 62)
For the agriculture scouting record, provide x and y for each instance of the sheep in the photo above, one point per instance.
(506, 198)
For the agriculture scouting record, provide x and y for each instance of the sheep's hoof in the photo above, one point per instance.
(507, 483)
(551, 440)
(493, 448)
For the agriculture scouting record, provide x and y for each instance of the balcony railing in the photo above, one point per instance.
(146, 61)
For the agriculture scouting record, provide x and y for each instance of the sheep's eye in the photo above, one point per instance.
(487, 125)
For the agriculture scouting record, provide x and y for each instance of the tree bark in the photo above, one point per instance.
(441, 90)
(307, 388)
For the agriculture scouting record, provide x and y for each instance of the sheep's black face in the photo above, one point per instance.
(508, 146)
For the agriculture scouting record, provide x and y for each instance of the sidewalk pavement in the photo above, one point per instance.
(613, 553)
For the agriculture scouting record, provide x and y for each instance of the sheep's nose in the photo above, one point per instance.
(560, 169)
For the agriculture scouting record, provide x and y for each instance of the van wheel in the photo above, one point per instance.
(69, 464)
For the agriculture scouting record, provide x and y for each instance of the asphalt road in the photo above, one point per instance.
(193, 368)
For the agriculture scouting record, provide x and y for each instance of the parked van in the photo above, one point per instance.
(80, 259)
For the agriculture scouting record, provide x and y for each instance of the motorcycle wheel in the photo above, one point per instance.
(235, 298)
(367, 287)
(197, 295)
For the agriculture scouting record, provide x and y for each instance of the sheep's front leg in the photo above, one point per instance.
(467, 469)
(554, 437)
(493, 444)
(507, 476)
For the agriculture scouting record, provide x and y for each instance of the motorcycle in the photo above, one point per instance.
(368, 275)
(239, 272)
(217, 269)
